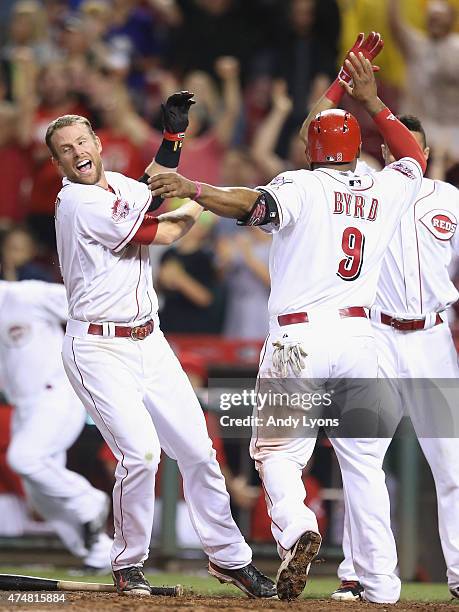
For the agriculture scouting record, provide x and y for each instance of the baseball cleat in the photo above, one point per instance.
(249, 579)
(131, 581)
(94, 528)
(349, 590)
(294, 569)
(454, 592)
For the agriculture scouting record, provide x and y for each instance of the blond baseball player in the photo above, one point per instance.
(414, 342)
(330, 230)
(118, 360)
(48, 417)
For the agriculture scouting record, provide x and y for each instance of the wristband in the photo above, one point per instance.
(335, 92)
(198, 190)
(168, 154)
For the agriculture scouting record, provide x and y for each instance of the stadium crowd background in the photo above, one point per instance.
(255, 67)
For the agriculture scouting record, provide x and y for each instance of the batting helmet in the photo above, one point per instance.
(333, 136)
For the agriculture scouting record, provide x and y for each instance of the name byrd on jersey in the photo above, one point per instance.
(355, 205)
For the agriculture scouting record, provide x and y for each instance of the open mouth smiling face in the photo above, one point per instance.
(78, 154)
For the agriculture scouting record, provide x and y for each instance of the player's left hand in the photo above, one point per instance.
(175, 111)
(171, 185)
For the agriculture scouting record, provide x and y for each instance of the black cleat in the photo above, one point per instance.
(349, 590)
(93, 529)
(249, 579)
(454, 592)
(131, 581)
(293, 571)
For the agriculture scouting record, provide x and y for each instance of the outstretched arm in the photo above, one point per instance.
(370, 46)
(405, 36)
(232, 202)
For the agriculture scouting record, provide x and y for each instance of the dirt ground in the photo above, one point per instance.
(88, 602)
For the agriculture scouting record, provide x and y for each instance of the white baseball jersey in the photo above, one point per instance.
(334, 228)
(31, 334)
(107, 278)
(414, 277)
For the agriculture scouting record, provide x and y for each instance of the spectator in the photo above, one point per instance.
(17, 257)
(306, 54)
(244, 259)
(432, 85)
(56, 98)
(187, 278)
(13, 163)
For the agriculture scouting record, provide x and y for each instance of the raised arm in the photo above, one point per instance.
(227, 69)
(175, 122)
(370, 46)
(268, 133)
(404, 35)
(398, 138)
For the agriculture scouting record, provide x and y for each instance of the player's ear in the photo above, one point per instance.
(427, 153)
(383, 151)
(98, 144)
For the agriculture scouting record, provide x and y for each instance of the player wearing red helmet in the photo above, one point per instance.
(330, 228)
(333, 136)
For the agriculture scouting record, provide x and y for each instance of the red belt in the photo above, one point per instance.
(136, 333)
(302, 317)
(407, 324)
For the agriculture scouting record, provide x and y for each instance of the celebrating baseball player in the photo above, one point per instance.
(414, 341)
(48, 418)
(330, 230)
(118, 360)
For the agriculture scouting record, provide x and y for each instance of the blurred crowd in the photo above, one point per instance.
(255, 68)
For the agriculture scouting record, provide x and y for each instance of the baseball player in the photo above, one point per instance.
(413, 339)
(330, 230)
(48, 417)
(118, 360)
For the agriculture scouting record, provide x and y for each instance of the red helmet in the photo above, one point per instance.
(333, 136)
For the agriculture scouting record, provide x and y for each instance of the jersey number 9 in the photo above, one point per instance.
(352, 243)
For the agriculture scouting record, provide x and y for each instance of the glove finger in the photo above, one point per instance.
(369, 41)
(377, 48)
(358, 42)
(376, 68)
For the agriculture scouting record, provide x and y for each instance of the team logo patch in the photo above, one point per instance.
(403, 169)
(441, 223)
(120, 209)
(277, 182)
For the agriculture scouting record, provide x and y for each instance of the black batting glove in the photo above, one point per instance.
(175, 112)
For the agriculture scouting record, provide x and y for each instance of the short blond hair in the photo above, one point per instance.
(62, 122)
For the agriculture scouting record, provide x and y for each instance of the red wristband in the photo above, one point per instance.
(173, 137)
(335, 92)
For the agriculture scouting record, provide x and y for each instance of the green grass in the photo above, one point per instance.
(318, 588)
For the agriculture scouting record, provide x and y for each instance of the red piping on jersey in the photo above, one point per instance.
(343, 183)
(138, 283)
(417, 240)
(147, 203)
(116, 443)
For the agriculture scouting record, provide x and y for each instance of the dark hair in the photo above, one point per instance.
(414, 125)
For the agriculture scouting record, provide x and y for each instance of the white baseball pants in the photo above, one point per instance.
(336, 348)
(427, 353)
(141, 400)
(43, 428)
